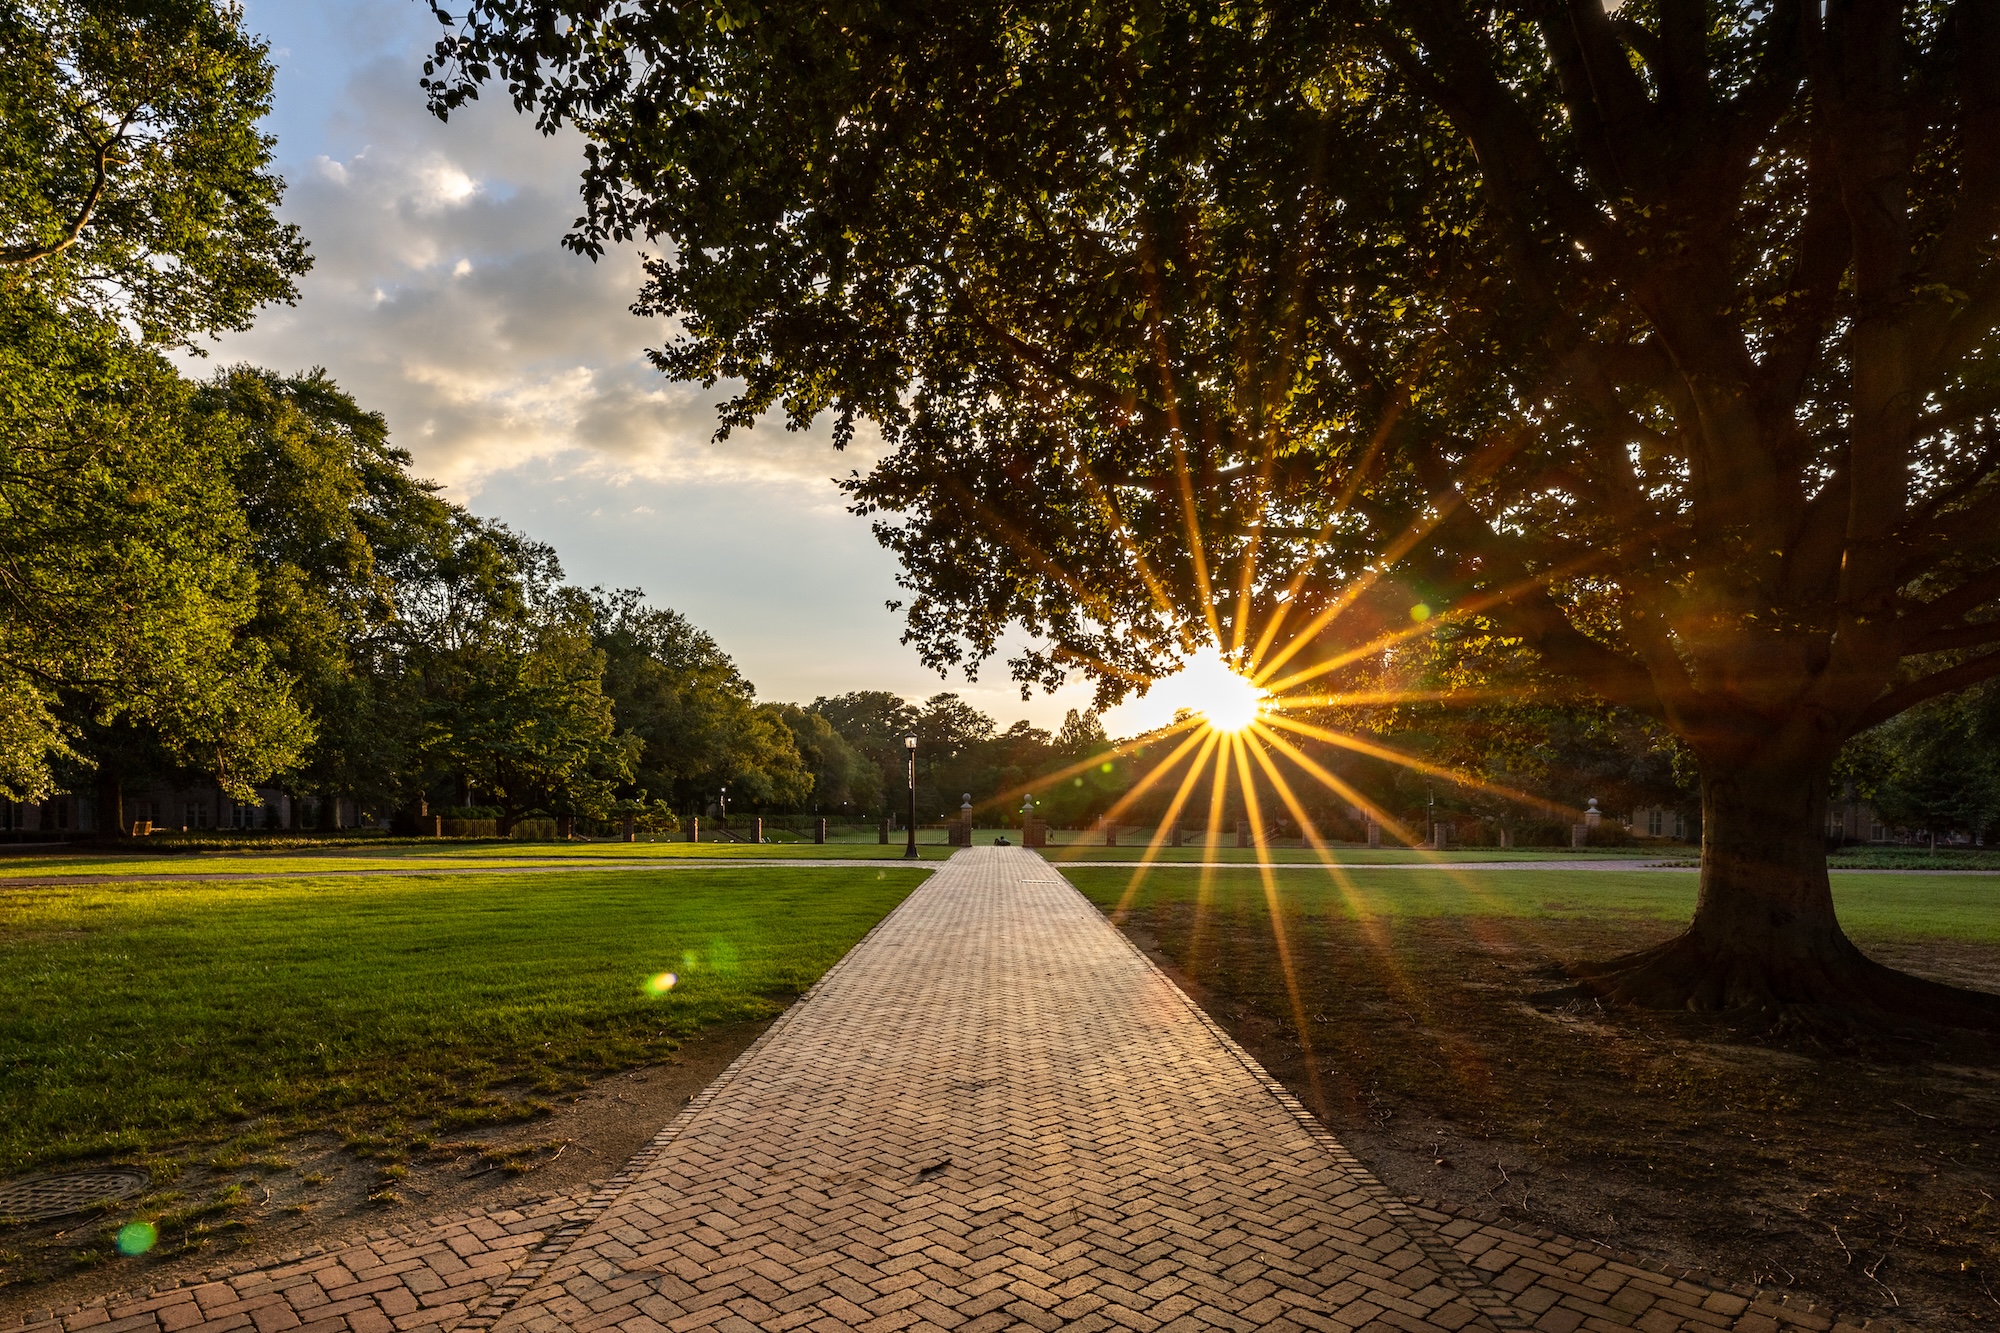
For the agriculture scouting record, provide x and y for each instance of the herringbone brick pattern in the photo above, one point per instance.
(417, 1280)
(994, 1113)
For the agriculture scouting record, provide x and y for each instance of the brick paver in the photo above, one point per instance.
(421, 1279)
(994, 1113)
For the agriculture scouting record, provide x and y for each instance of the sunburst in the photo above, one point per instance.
(1249, 702)
(1226, 699)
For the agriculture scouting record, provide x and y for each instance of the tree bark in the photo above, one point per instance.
(1765, 936)
(110, 804)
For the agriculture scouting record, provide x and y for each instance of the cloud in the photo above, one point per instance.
(442, 297)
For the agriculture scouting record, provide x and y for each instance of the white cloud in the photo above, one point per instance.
(441, 296)
(444, 185)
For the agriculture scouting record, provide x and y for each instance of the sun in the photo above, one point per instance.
(1229, 702)
(1207, 685)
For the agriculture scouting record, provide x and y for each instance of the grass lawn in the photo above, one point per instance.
(134, 1020)
(1353, 856)
(1415, 1020)
(1958, 907)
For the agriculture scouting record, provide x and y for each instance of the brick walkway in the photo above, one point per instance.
(994, 1113)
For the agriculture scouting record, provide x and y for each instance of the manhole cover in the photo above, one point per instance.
(70, 1192)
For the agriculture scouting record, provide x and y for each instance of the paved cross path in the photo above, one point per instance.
(993, 1113)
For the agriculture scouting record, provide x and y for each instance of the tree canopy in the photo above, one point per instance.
(134, 182)
(1657, 343)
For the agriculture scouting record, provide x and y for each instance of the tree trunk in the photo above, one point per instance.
(1765, 936)
(110, 804)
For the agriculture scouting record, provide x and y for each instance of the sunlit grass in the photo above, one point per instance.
(131, 1020)
(1133, 850)
(1878, 906)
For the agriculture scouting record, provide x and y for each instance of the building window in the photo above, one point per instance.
(1654, 820)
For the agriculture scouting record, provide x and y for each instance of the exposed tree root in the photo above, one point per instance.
(1833, 987)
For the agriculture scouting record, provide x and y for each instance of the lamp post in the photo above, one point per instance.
(910, 748)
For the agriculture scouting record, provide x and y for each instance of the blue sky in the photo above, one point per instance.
(513, 371)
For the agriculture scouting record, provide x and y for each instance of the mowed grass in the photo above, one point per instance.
(1132, 849)
(436, 855)
(1879, 906)
(133, 1019)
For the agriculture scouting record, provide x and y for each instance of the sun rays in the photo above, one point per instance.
(1274, 663)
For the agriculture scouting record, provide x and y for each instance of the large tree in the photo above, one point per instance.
(695, 720)
(137, 210)
(341, 536)
(1942, 767)
(1659, 340)
(516, 707)
(842, 777)
(125, 592)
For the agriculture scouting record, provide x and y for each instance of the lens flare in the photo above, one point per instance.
(659, 983)
(137, 1238)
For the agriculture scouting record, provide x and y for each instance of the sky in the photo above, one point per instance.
(514, 373)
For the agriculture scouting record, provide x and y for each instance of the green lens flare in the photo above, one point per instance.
(659, 983)
(137, 1237)
(1420, 613)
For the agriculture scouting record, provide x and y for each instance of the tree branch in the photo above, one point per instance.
(1937, 614)
(1965, 636)
(29, 254)
(1929, 687)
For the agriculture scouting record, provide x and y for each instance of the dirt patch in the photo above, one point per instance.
(233, 1204)
(1865, 1176)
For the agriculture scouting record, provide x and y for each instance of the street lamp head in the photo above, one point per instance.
(910, 743)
